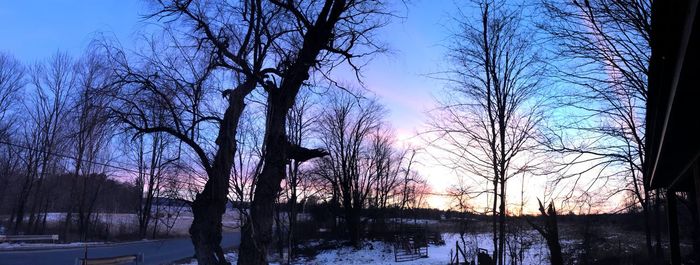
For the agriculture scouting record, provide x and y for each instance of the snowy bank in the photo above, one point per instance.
(377, 252)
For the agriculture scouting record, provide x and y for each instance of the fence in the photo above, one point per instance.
(410, 244)
(127, 259)
(460, 257)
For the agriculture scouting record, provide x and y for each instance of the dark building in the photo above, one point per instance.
(673, 108)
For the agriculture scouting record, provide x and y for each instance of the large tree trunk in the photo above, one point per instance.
(210, 205)
(257, 233)
(208, 209)
(354, 228)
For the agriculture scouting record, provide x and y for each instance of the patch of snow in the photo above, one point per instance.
(414, 221)
(382, 253)
(377, 252)
(29, 246)
(230, 257)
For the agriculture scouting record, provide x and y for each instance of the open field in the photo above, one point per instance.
(118, 226)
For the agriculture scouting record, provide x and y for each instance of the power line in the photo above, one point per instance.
(122, 167)
(132, 170)
(439, 194)
(69, 157)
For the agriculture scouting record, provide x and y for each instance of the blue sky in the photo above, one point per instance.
(33, 30)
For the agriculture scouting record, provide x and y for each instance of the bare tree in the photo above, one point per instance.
(395, 180)
(51, 85)
(412, 187)
(275, 45)
(461, 196)
(604, 50)
(300, 120)
(11, 83)
(346, 132)
(179, 82)
(89, 135)
(234, 37)
(154, 160)
(321, 35)
(490, 115)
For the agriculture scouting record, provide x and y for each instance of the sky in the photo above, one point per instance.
(33, 30)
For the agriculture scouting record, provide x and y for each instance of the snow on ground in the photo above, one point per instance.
(373, 253)
(30, 246)
(414, 221)
(231, 257)
(124, 223)
(382, 253)
(376, 252)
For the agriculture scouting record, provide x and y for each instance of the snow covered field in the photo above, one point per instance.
(376, 252)
(382, 253)
(120, 223)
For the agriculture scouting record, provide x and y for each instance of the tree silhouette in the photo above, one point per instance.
(489, 118)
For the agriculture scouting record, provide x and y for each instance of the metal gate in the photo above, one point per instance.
(410, 244)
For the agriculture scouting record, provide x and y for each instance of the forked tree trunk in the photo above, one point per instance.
(210, 205)
(257, 232)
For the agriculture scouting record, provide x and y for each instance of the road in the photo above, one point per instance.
(154, 252)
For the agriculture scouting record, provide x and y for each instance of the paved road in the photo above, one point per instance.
(154, 252)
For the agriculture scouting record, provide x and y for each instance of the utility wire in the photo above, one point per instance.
(85, 161)
(68, 156)
(122, 167)
(132, 170)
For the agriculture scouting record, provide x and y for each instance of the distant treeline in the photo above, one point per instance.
(110, 196)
